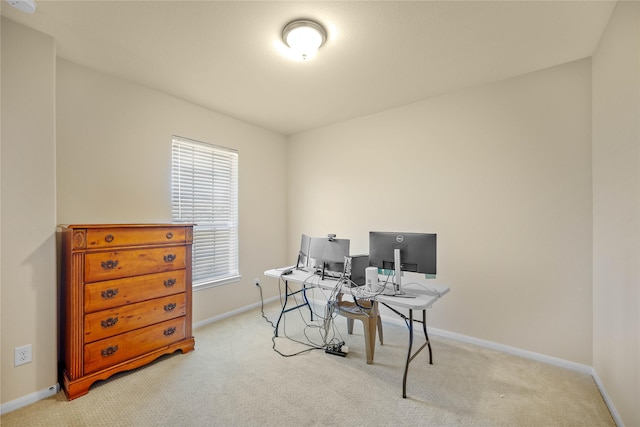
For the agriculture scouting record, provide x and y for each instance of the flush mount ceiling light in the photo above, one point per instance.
(304, 37)
(28, 6)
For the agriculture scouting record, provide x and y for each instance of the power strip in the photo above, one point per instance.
(338, 349)
(335, 352)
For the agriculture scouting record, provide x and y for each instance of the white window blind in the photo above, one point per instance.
(205, 192)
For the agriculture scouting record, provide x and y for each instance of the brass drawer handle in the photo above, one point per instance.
(109, 351)
(108, 238)
(170, 331)
(109, 265)
(170, 282)
(169, 235)
(170, 307)
(109, 293)
(111, 321)
(169, 258)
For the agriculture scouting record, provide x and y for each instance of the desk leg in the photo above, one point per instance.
(426, 336)
(288, 293)
(406, 366)
(306, 301)
(410, 356)
(409, 321)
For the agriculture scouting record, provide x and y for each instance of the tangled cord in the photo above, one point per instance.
(274, 336)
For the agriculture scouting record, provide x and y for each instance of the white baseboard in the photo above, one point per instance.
(43, 394)
(484, 343)
(578, 367)
(53, 390)
(607, 400)
(573, 366)
(233, 313)
(29, 399)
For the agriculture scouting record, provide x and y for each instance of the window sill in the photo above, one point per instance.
(213, 283)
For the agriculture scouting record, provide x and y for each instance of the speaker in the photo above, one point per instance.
(357, 264)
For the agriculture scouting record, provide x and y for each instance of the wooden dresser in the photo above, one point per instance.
(126, 296)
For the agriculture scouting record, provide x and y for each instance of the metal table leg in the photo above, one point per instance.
(406, 366)
(409, 322)
(426, 336)
(288, 293)
(410, 356)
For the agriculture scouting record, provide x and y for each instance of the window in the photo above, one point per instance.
(204, 191)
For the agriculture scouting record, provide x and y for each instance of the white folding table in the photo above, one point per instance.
(423, 296)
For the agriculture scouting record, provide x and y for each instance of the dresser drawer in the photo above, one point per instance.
(115, 321)
(112, 237)
(114, 293)
(109, 351)
(126, 263)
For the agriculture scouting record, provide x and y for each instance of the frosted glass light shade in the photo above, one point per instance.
(304, 38)
(27, 6)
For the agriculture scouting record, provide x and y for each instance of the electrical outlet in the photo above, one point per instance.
(257, 281)
(22, 355)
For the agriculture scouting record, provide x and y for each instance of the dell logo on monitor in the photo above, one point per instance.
(399, 238)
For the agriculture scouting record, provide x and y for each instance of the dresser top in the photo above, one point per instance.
(145, 225)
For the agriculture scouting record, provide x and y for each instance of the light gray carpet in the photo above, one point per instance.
(234, 378)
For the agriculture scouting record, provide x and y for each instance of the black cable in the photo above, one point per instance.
(262, 307)
(308, 325)
(273, 337)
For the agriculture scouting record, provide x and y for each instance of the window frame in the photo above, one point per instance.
(219, 186)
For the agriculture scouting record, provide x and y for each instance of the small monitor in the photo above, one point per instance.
(316, 248)
(327, 255)
(334, 253)
(415, 251)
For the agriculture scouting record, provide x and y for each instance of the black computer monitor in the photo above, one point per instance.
(416, 252)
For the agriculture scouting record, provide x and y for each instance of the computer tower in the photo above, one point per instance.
(355, 267)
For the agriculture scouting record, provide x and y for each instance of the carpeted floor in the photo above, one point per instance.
(235, 378)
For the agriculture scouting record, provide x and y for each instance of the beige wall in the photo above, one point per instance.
(113, 158)
(502, 173)
(616, 207)
(114, 166)
(28, 279)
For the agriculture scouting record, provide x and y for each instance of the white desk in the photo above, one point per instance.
(424, 299)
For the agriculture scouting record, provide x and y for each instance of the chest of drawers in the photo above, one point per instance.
(126, 298)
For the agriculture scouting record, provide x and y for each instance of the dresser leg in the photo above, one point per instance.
(75, 389)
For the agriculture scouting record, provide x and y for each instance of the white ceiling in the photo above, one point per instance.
(227, 55)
